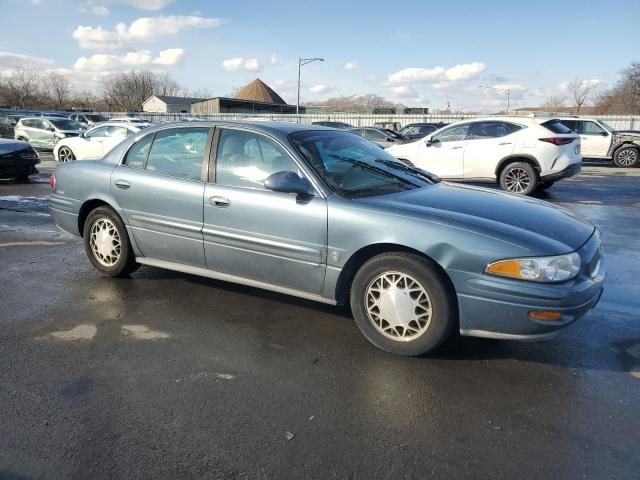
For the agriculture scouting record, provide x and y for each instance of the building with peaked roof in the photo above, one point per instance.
(255, 97)
(168, 104)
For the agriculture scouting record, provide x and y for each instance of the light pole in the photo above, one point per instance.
(301, 62)
(501, 90)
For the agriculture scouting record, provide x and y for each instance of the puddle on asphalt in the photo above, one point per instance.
(142, 332)
(81, 332)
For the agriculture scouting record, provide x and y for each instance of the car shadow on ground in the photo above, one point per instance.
(558, 352)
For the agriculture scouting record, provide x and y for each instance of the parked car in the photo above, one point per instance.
(325, 215)
(94, 143)
(7, 124)
(88, 119)
(414, 131)
(599, 140)
(393, 126)
(17, 159)
(45, 132)
(338, 125)
(380, 136)
(137, 121)
(521, 154)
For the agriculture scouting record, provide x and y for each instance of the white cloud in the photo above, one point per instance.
(273, 59)
(143, 29)
(319, 88)
(350, 66)
(141, 58)
(100, 10)
(456, 73)
(404, 91)
(240, 63)
(19, 61)
(148, 4)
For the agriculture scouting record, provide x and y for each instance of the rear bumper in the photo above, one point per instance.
(566, 172)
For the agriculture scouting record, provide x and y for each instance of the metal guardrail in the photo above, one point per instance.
(620, 122)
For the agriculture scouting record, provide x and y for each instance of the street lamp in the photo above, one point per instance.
(301, 62)
(501, 90)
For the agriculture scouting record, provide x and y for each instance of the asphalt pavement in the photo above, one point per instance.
(167, 375)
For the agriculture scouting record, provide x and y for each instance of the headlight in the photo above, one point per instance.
(538, 269)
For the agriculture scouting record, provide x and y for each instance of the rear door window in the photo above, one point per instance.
(137, 154)
(560, 126)
(178, 152)
(587, 127)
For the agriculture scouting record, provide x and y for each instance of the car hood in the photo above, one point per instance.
(71, 132)
(10, 146)
(536, 225)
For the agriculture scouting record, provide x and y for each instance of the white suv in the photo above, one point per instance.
(600, 140)
(521, 154)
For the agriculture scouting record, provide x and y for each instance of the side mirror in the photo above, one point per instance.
(288, 182)
(604, 134)
(429, 142)
(51, 129)
(389, 139)
(82, 134)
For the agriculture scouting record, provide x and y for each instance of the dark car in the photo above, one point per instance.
(380, 136)
(7, 123)
(17, 159)
(339, 125)
(414, 131)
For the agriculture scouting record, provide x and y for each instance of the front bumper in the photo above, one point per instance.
(497, 307)
(569, 171)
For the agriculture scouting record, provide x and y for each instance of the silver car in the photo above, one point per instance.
(44, 132)
(326, 215)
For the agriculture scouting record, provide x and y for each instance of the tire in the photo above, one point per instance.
(544, 185)
(379, 315)
(114, 257)
(24, 178)
(626, 157)
(65, 155)
(519, 177)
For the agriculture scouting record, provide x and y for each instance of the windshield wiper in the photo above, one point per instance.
(407, 168)
(368, 166)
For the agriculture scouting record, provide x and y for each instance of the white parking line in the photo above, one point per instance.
(33, 243)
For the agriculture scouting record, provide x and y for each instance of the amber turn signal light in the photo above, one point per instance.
(545, 315)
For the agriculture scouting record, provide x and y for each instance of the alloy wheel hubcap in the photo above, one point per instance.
(517, 180)
(64, 154)
(398, 306)
(627, 157)
(105, 242)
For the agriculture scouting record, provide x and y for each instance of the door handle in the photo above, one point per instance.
(219, 202)
(122, 184)
(455, 148)
(505, 143)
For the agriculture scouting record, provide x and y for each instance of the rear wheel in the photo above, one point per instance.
(626, 157)
(107, 244)
(402, 304)
(519, 177)
(65, 154)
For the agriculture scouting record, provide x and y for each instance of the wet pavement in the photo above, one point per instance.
(167, 375)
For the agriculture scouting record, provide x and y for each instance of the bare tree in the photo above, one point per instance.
(58, 87)
(362, 104)
(580, 91)
(554, 103)
(200, 93)
(22, 89)
(127, 91)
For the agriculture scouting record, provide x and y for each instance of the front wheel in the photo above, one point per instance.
(402, 304)
(626, 157)
(107, 244)
(65, 154)
(519, 177)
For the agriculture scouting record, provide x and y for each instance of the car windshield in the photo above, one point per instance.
(354, 167)
(65, 124)
(97, 118)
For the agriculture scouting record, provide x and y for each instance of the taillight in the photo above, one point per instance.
(52, 181)
(557, 140)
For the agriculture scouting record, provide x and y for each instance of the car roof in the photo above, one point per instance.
(116, 124)
(269, 126)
